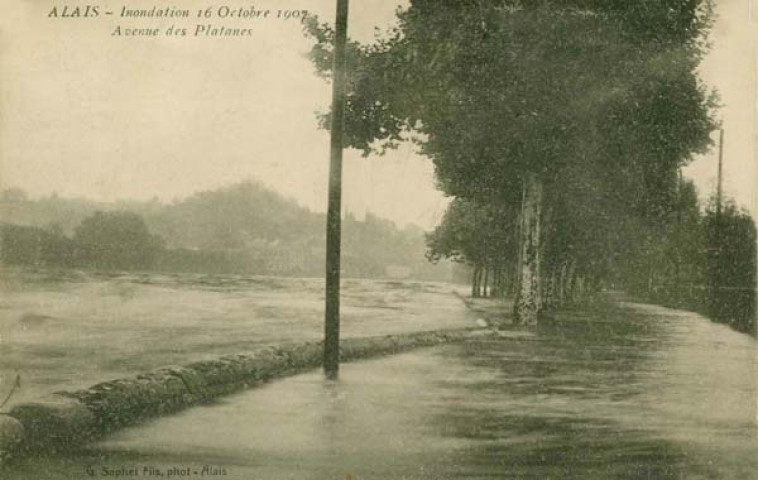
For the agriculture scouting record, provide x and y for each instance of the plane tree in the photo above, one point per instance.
(579, 113)
(481, 235)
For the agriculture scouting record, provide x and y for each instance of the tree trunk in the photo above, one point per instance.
(485, 292)
(499, 281)
(475, 282)
(513, 283)
(548, 301)
(528, 297)
(505, 283)
(570, 281)
(560, 294)
(580, 288)
(499, 293)
(495, 279)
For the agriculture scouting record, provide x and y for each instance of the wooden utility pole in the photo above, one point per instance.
(333, 220)
(720, 178)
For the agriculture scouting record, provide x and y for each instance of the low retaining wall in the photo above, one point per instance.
(65, 419)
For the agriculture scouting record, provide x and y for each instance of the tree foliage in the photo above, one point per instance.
(598, 98)
(27, 245)
(117, 241)
(478, 234)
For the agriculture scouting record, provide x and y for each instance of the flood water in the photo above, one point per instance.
(64, 330)
(637, 391)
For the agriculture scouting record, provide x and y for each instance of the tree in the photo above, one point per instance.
(731, 265)
(513, 100)
(26, 245)
(116, 241)
(480, 235)
(232, 218)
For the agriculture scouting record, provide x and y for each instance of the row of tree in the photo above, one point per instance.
(559, 127)
(705, 259)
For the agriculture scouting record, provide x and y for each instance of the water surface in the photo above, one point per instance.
(636, 392)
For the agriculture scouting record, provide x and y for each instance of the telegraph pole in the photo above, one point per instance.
(720, 178)
(679, 208)
(718, 272)
(333, 220)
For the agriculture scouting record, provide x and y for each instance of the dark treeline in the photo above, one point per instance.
(560, 129)
(483, 238)
(244, 228)
(705, 260)
(710, 266)
(108, 241)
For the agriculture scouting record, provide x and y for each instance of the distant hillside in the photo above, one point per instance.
(242, 228)
(233, 217)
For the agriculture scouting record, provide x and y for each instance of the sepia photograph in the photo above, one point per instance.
(378, 239)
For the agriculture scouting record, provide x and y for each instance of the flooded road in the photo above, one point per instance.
(636, 392)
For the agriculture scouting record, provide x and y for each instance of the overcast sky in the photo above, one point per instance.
(731, 69)
(83, 113)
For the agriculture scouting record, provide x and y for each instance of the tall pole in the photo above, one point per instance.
(718, 273)
(333, 220)
(721, 163)
(679, 212)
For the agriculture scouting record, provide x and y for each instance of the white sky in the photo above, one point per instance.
(731, 68)
(86, 114)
